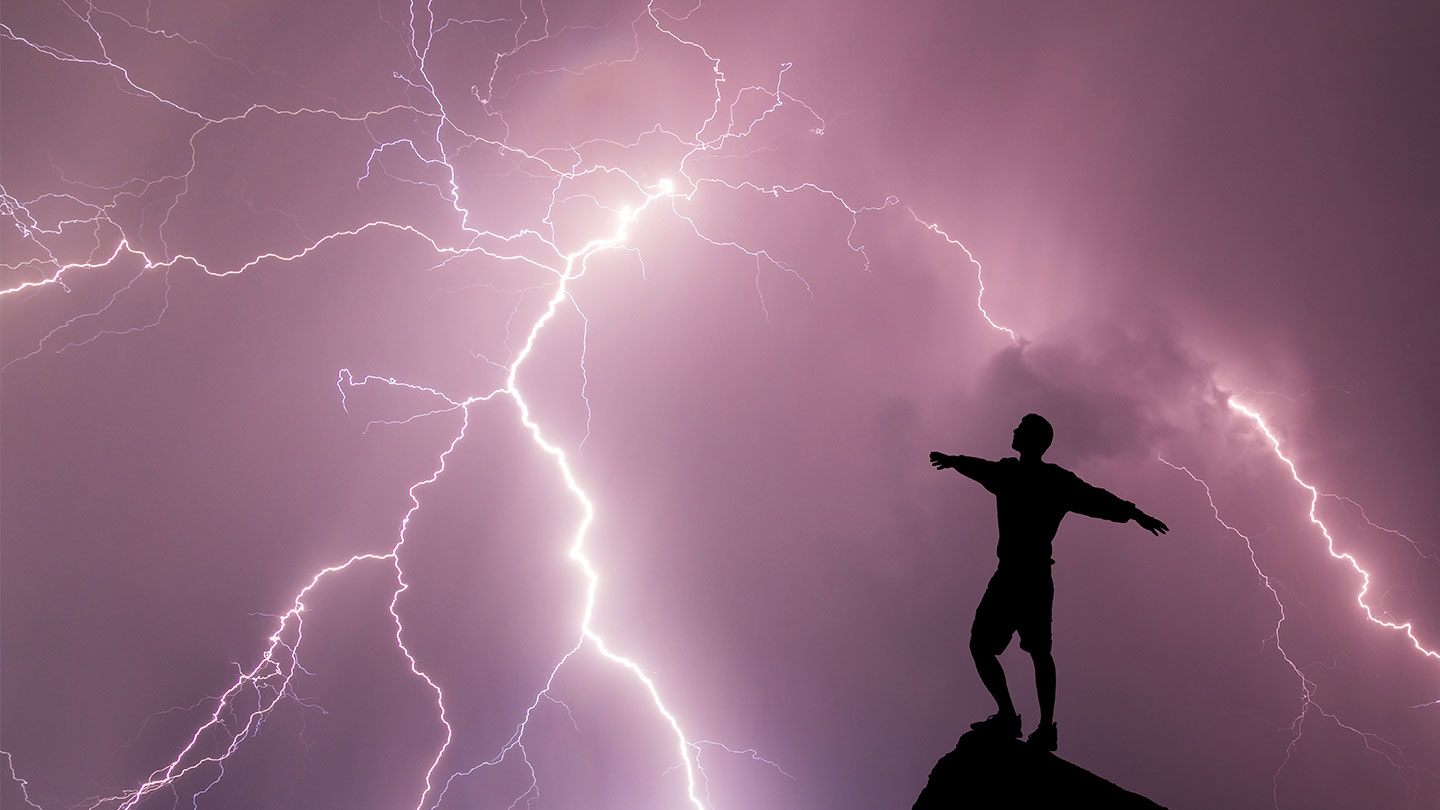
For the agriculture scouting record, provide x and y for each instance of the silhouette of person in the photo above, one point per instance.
(1031, 497)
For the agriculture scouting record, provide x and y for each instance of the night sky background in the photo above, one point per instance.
(1176, 209)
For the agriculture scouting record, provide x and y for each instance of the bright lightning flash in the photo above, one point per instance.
(1407, 628)
(235, 715)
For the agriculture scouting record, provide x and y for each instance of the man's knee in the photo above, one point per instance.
(986, 646)
(1036, 644)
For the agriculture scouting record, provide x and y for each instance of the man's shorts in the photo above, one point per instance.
(1014, 602)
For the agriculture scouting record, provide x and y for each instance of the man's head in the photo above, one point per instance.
(1033, 436)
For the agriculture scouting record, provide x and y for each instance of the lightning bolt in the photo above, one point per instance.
(1372, 742)
(236, 714)
(979, 276)
(1308, 703)
(23, 784)
(1406, 628)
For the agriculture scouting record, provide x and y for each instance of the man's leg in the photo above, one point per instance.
(989, 636)
(1045, 685)
(993, 676)
(1035, 639)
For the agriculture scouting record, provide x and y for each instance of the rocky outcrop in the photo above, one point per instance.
(986, 772)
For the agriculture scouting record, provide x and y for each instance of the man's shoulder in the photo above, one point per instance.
(1061, 477)
(1057, 470)
(1012, 468)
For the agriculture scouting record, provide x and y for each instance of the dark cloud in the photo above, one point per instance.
(1108, 390)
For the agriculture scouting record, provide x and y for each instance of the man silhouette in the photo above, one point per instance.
(1031, 497)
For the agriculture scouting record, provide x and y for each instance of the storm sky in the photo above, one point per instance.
(274, 273)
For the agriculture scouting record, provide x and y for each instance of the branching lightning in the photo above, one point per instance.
(1308, 703)
(235, 715)
(1407, 627)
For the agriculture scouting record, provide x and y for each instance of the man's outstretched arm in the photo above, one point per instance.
(1093, 501)
(980, 469)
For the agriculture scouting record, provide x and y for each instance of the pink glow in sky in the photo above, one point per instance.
(345, 348)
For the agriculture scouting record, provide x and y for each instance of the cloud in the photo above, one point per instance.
(1110, 390)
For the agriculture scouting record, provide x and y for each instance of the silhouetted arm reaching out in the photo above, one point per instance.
(979, 469)
(1092, 501)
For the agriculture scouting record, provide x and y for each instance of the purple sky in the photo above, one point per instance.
(1177, 211)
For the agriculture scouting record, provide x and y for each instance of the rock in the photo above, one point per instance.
(986, 772)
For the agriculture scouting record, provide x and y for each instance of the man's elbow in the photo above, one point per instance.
(1123, 512)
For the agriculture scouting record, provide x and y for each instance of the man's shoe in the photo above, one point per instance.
(1001, 725)
(1046, 738)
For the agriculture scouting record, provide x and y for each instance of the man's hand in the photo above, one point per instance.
(1150, 524)
(942, 461)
